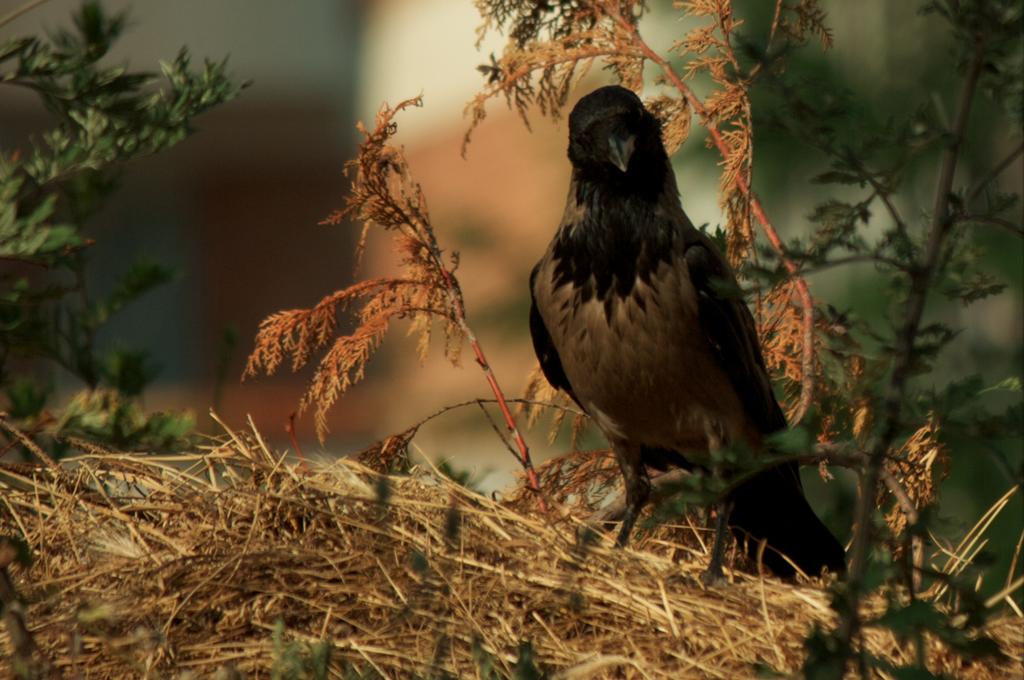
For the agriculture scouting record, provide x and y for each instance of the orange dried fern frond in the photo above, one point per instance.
(803, 19)
(674, 115)
(837, 368)
(540, 397)
(577, 480)
(300, 332)
(727, 109)
(781, 340)
(913, 467)
(551, 47)
(382, 194)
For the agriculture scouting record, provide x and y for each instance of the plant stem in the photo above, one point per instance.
(994, 173)
(459, 310)
(921, 278)
(289, 427)
(18, 11)
(1006, 225)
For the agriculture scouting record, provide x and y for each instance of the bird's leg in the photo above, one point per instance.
(638, 487)
(713, 574)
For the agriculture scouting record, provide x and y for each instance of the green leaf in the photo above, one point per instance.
(142, 277)
(1010, 384)
(526, 666)
(486, 664)
(129, 372)
(26, 398)
(837, 177)
(108, 416)
(915, 616)
(824, 660)
(793, 440)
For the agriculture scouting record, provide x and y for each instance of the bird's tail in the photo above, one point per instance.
(771, 507)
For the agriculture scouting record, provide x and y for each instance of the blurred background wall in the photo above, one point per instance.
(236, 206)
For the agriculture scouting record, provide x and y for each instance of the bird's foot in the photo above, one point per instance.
(713, 576)
(623, 537)
(628, 520)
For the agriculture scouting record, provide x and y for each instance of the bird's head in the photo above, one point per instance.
(612, 135)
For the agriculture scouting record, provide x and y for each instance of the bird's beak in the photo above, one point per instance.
(620, 148)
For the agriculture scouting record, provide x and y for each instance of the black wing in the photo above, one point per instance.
(730, 330)
(777, 492)
(550, 363)
(769, 506)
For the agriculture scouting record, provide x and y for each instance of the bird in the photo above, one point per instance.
(637, 316)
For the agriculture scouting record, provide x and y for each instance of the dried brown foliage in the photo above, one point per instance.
(578, 481)
(782, 335)
(390, 453)
(551, 46)
(781, 338)
(914, 468)
(536, 397)
(153, 566)
(728, 109)
(382, 194)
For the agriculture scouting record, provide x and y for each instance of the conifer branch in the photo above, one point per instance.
(384, 195)
(921, 278)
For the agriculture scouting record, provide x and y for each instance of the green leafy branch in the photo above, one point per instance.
(102, 116)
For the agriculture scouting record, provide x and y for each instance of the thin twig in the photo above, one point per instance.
(881, 191)
(470, 402)
(992, 174)
(1013, 562)
(876, 258)
(29, 444)
(44, 420)
(916, 544)
(510, 421)
(497, 430)
(23, 260)
(15, 13)
(901, 495)
(1009, 226)
(1005, 592)
(773, 29)
(459, 310)
(289, 427)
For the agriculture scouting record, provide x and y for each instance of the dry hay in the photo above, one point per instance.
(159, 566)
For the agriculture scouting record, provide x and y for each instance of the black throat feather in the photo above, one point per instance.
(619, 237)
